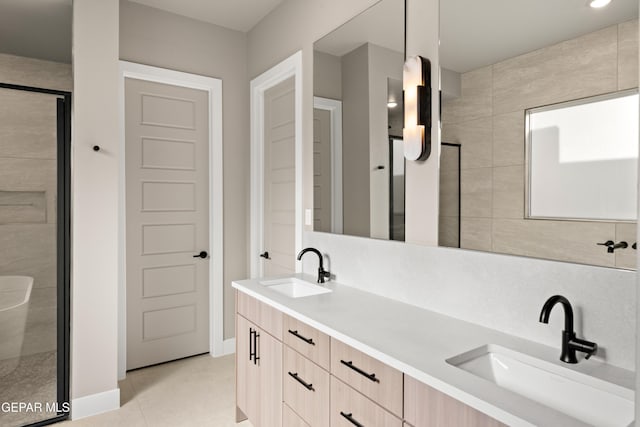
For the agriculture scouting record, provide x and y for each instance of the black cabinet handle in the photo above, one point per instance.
(295, 376)
(350, 364)
(202, 255)
(297, 335)
(253, 345)
(350, 418)
(256, 335)
(251, 342)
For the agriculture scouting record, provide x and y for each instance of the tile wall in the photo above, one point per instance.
(28, 188)
(488, 120)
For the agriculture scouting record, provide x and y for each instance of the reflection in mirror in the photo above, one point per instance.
(449, 220)
(496, 67)
(358, 71)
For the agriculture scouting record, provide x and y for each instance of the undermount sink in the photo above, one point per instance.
(580, 396)
(294, 288)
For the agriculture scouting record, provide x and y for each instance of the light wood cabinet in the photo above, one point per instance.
(427, 407)
(306, 388)
(314, 380)
(376, 380)
(350, 408)
(266, 317)
(258, 371)
(307, 340)
(290, 418)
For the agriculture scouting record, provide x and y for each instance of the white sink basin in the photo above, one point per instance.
(580, 396)
(294, 288)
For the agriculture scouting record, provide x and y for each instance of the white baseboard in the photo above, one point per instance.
(228, 346)
(95, 404)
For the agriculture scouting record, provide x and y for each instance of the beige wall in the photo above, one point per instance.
(327, 79)
(154, 37)
(488, 120)
(356, 175)
(94, 287)
(28, 144)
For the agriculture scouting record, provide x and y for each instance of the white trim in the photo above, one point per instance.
(229, 346)
(334, 107)
(95, 404)
(216, 278)
(292, 66)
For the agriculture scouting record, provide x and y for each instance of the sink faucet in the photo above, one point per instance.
(322, 274)
(570, 344)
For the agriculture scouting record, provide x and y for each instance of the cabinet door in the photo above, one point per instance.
(269, 367)
(427, 407)
(246, 370)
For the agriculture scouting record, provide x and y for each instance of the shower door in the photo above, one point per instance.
(34, 255)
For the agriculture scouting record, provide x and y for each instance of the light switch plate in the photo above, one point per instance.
(308, 217)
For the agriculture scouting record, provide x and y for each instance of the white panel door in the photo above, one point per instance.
(279, 179)
(167, 208)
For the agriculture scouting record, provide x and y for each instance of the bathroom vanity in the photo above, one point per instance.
(345, 357)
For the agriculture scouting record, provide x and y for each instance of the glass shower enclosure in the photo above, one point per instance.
(35, 125)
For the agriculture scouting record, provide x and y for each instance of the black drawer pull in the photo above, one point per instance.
(295, 376)
(297, 335)
(349, 418)
(350, 364)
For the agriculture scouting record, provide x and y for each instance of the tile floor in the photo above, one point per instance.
(33, 380)
(199, 391)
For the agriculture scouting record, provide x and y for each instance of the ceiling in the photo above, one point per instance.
(473, 33)
(477, 33)
(36, 29)
(239, 15)
(382, 25)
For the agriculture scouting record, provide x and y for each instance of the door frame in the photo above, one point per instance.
(290, 67)
(217, 345)
(334, 107)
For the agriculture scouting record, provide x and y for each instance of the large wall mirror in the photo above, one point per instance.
(506, 68)
(358, 172)
(529, 88)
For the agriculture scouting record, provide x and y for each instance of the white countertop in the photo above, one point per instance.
(418, 342)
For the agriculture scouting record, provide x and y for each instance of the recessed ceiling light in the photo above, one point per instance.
(596, 4)
(392, 104)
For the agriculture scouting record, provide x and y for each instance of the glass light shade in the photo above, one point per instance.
(413, 132)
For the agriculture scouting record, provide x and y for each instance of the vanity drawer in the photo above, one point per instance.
(306, 388)
(308, 341)
(261, 314)
(350, 408)
(290, 418)
(374, 379)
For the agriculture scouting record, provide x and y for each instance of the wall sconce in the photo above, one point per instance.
(416, 91)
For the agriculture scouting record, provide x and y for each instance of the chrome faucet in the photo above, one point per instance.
(570, 344)
(322, 274)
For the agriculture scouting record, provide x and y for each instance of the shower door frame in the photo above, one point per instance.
(63, 244)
